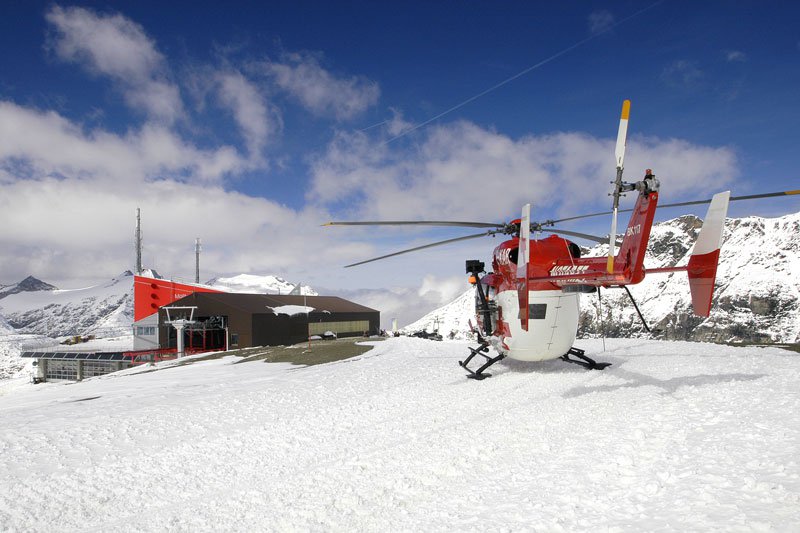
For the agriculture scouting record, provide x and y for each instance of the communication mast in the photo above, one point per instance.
(138, 243)
(197, 249)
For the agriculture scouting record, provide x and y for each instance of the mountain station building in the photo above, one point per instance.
(224, 320)
(232, 320)
(211, 320)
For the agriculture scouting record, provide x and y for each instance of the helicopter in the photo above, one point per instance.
(527, 306)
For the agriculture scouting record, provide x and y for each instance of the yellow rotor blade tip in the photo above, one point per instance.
(626, 110)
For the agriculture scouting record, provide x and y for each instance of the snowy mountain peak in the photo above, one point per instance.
(104, 310)
(250, 283)
(451, 320)
(150, 273)
(29, 284)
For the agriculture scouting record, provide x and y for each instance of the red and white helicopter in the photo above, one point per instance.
(528, 306)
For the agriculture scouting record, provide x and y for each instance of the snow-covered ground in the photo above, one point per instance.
(674, 436)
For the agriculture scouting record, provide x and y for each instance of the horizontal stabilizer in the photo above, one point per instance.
(702, 267)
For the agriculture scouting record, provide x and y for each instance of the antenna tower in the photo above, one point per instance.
(197, 249)
(138, 242)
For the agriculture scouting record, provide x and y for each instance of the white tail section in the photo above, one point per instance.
(710, 238)
(702, 267)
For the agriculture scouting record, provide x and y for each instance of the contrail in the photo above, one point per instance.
(521, 73)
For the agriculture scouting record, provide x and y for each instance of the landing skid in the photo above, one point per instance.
(481, 350)
(585, 362)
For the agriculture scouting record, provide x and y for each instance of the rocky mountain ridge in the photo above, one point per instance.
(103, 310)
(29, 284)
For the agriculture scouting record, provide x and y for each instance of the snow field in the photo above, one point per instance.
(673, 436)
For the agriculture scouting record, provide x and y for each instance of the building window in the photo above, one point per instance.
(98, 368)
(350, 326)
(57, 370)
(146, 331)
(234, 339)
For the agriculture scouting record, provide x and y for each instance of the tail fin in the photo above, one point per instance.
(702, 267)
(634, 243)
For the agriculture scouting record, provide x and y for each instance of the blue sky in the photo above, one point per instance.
(249, 123)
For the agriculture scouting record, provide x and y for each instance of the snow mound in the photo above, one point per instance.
(291, 310)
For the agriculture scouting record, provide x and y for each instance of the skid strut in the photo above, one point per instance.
(481, 350)
(583, 360)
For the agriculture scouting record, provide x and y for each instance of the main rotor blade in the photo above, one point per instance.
(748, 197)
(678, 204)
(431, 245)
(419, 223)
(594, 238)
(622, 134)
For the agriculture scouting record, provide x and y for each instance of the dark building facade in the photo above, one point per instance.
(231, 320)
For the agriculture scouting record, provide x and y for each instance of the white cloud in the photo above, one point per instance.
(460, 171)
(735, 56)
(86, 226)
(115, 46)
(301, 75)
(408, 304)
(682, 73)
(397, 125)
(257, 120)
(600, 21)
(50, 145)
(69, 197)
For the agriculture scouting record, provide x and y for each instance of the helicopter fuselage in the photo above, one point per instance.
(555, 276)
(553, 313)
(551, 330)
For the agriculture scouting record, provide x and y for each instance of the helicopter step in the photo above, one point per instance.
(481, 350)
(585, 362)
